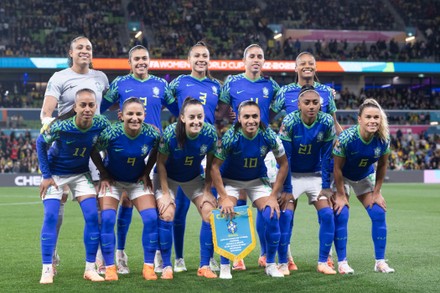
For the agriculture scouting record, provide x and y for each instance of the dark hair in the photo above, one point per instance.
(70, 59)
(132, 100)
(307, 88)
(251, 46)
(72, 112)
(137, 47)
(237, 124)
(315, 77)
(180, 127)
(201, 44)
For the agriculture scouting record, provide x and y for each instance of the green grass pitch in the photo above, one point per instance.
(413, 249)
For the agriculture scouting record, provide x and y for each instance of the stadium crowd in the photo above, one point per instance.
(227, 27)
(18, 153)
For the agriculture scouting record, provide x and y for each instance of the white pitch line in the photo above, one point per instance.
(20, 203)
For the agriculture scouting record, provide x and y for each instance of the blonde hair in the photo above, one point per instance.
(383, 131)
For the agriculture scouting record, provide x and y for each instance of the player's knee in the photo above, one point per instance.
(169, 214)
(108, 220)
(376, 213)
(343, 216)
(326, 215)
(50, 217)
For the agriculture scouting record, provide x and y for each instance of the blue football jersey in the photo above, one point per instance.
(125, 154)
(287, 98)
(239, 88)
(307, 141)
(153, 92)
(183, 164)
(70, 148)
(244, 156)
(206, 90)
(359, 155)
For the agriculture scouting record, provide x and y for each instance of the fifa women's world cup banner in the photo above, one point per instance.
(233, 238)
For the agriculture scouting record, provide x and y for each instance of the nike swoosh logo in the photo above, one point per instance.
(119, 150)
(189, 84)
(353, 153)
(155, 241)
(130, 90)
(239, 92)
(71, 87)
(236, 153)
(94, 238)
(44, 239)
(105, 244)
(70, 141)
(297, 136)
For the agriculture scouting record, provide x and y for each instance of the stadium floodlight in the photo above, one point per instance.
(410, 39)
(277, 36)
(138, 35)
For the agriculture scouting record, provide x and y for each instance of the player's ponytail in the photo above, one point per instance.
(180, 126)
(383, 133)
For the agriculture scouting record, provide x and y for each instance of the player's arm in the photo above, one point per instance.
(381, 170)
(49, 106)
(145, 177)
(225, 203)
(338, 126)
(340, 198)
(164, 202)
(43, 161)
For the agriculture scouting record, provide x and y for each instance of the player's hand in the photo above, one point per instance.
(284, 199)
(45, 122)
(379, 200)
(105, 185)
(44, 186)
(226, 207)
(146, 180)
(328, 193)
(164, 202)
(339, 202)
(272, 203)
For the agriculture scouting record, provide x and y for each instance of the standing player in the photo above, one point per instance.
(127, 144)
(201, 86)
(250, 85)
(239, 165)
(307, 135)
(66, 163)
(153, 92)
(60, 95)
(356, 150)
(287, 99)
(183, 147)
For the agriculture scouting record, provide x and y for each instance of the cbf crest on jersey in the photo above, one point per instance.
(320, 136)
(214, 90)
(144, 149)
(263, 150)
(377, 152)
(203, 149)
(99, 86)
(265, 93)
(156, 92)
